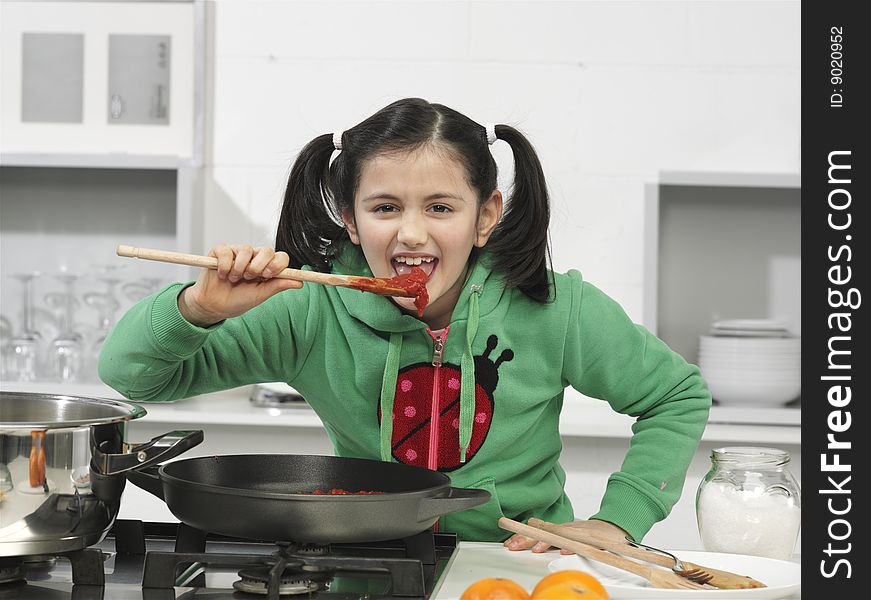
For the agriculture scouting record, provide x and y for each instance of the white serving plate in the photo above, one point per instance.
(753, 333)
(710, 371)
(782, 577)
(750, 354)
(750, 324)
(750, 364)
(736, 392)
(784, 344)
(745, 350)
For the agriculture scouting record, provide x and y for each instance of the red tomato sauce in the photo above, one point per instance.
(413, 283)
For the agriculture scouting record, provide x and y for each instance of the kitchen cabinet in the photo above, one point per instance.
(56, 219)
(101, 108)
(101, 79)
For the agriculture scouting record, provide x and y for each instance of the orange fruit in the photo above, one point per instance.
(569, 585)
(495, 588)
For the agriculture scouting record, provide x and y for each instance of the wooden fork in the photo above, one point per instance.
(659, 578)
(696, 573)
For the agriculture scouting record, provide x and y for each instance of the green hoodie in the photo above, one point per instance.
(499, 386)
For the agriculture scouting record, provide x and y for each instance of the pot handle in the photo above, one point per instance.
(450, 501)
(148, 479)
(163, 447)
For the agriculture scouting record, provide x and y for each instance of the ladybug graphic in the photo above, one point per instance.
(412, 409)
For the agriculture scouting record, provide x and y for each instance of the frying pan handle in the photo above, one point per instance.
(148, 479)
(450, 501)
(163, 447)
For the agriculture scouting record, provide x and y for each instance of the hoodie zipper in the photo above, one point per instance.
(438, 349)
(432, 460)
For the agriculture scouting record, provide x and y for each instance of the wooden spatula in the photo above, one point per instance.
(406, 286)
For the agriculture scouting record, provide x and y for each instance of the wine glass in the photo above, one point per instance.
(21, 352)
(137, 290)
(6, 329)
(106, 304)
(65, 353)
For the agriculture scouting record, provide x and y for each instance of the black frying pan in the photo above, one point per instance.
(268, 496)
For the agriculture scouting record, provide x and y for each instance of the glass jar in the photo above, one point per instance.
(749, 503)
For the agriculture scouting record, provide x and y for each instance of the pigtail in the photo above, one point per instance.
(310, 228)
(308, 224)
(519, 245)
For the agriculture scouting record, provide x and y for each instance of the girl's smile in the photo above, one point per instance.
(417, 210)
(403, 263)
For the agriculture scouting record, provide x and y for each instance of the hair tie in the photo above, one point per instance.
(337, 139)
(491, 132)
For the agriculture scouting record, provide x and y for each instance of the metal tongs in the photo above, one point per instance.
(618, 551)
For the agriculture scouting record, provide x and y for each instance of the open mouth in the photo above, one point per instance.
(402, 265)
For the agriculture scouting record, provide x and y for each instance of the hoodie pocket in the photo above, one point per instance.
(479, 524)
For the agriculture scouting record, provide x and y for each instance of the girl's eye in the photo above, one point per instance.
(441, 208)
(384, 208)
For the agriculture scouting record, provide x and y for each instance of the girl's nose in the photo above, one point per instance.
(412, 231)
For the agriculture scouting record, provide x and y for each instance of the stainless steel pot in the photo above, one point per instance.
(63, 465)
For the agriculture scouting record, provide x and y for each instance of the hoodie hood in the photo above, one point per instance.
(381, 313)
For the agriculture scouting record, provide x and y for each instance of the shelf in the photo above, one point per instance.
(229, 407)
(720, 245)
(84, 390)
(787, 416)
(587, 417)
(730, 179)
(91, 204)
(95, 161)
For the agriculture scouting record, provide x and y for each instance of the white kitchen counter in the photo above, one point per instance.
(581, 416)
(476, 560)
(595, 441)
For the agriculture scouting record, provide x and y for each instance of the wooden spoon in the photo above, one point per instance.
(405, 286)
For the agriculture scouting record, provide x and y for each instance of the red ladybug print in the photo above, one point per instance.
(413, 405)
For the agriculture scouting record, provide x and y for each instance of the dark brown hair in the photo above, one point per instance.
(310, 226)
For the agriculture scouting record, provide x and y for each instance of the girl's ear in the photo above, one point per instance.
(351, 226)
(488, 216)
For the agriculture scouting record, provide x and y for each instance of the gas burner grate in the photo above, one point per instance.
(11, 570)
(86, 565)
(407, 567)
(406, 575)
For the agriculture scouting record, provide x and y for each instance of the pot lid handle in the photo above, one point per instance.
(163, 447)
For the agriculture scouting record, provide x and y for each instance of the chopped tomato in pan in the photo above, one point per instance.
(341, 492)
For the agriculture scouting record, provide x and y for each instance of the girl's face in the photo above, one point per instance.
(417, 209)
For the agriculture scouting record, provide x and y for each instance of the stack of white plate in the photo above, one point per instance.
(751, 361)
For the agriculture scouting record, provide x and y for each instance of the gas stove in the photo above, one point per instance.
(171, 561)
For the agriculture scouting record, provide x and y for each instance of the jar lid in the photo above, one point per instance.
(755, 455)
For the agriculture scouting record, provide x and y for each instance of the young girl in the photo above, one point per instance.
(474, 388)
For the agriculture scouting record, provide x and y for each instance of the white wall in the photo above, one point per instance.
(610, 93)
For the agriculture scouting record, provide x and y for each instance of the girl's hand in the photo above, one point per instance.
(242, 281)
(601, 528)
